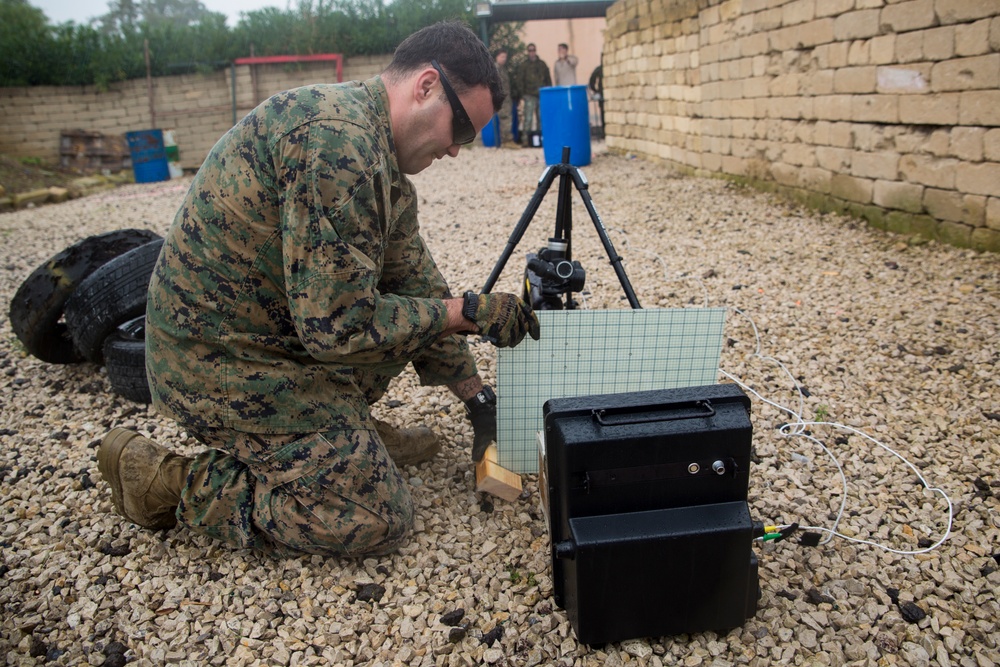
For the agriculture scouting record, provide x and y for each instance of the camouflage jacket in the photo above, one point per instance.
(296, 257)
(532, 75)
(505, 79)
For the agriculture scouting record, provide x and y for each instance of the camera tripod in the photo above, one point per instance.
(554, 267)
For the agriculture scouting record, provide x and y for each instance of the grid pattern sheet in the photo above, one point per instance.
(584, 352)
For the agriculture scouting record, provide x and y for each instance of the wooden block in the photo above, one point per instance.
(496, 480)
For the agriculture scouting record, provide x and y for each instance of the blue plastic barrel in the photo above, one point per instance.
(565, 116)
(149, 157)
(491, 133)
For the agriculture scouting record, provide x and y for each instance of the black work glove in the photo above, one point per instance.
(482, 409)
(503, 319)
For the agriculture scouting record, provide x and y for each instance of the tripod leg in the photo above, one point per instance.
(522, 225)
(564, 216)
(616, 260)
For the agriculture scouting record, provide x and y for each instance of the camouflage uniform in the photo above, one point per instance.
(505, 114)
(531, 76)
(292, 287)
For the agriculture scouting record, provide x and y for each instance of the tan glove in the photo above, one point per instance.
(503, 319)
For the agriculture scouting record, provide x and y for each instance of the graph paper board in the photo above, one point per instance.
(583, 352)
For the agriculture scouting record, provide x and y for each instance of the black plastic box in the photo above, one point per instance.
(646, 499)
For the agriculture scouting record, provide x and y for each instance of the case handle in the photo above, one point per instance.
(704, 405)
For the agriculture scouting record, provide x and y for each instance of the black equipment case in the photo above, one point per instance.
(645, 495)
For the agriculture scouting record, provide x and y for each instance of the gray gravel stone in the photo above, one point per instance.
(895, 338)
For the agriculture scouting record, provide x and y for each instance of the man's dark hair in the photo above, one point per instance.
(464, 58)
(564, 46)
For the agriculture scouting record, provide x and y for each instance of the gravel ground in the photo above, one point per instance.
(893, 339)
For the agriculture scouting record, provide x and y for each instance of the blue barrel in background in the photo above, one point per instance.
(565, 115)
(149, 157)
(491, 133)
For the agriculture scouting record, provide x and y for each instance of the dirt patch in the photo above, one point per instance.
(16, 176)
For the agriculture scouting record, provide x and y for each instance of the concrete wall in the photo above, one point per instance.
(198, 107)
(885, 109)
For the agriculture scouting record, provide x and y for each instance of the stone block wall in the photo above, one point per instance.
(199, 108)
(885, 109)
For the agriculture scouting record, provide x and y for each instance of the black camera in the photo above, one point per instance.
(550, 275)
(551, 272)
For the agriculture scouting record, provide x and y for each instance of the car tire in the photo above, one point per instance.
(125, 361)
(114, 293)
(36, 310)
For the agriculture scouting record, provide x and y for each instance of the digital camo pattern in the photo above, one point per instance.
(506, 110)
(295, 258)
(532, 75)
(292, 287)
(335, 493)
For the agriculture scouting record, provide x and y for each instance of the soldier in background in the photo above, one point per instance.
(505, 114)
(596, 85)
(531, 75)
(292, 287)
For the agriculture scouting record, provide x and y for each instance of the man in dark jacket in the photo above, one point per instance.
(532, 75)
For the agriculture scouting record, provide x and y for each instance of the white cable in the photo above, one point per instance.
(912, 467)
(798, 428)
(782, 430)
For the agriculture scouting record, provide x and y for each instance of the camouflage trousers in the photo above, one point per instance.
(506, 117)
(531, 121)
(336, 493)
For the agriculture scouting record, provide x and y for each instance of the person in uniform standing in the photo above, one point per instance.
(505, 115)
(532, 75)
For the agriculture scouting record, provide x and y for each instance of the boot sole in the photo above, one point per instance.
(108, 456)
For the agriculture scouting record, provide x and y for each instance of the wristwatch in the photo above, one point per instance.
(485, 397)
(470, 306)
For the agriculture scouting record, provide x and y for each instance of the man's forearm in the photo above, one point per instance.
(456, 321)
(466, 389)
(469, 387)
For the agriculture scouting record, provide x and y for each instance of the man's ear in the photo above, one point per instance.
(424, 84)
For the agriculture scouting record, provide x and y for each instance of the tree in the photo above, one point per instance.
(178, 12)
(123, 17)
(24, 37)
(184, 36)
(507, 36)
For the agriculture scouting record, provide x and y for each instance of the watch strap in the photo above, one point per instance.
(486, 396)
(470, 306)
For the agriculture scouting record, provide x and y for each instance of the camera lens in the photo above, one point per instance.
(564, 269)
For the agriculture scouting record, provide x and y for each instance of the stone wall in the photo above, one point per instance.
(198, 107)
(884, 109)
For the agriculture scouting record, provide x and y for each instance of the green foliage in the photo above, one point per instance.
(184, 36)
(22, 28)
(507, 36)
(516, 576)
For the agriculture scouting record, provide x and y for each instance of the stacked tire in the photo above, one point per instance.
(88, 303)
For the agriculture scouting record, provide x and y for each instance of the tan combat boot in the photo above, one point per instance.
(146, 479)
(408, 446)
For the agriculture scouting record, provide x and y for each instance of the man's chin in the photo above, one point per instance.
(416, 168)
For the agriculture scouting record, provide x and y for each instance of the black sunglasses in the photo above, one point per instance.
(462, 130)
